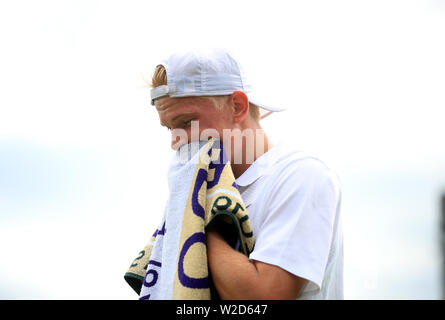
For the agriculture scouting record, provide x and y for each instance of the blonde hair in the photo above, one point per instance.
(160, 78)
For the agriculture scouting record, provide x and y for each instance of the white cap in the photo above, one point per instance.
(206, 72)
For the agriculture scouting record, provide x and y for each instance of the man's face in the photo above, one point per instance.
(177, 114)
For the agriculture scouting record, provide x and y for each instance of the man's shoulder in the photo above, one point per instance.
(299, 161)
(295, 165)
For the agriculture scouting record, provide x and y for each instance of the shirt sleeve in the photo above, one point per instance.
(296, 233)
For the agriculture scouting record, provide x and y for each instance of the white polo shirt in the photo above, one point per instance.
(293, 201)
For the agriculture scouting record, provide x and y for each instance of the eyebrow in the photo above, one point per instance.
(182, 115)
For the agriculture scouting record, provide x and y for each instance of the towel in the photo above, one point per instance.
(203, 195)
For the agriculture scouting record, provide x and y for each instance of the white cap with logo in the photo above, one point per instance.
(206, 72)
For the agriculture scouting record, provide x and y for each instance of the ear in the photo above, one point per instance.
(240, 106)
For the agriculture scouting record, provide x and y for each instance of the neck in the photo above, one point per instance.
(252, 149)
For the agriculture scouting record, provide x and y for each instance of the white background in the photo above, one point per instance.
(83, 160)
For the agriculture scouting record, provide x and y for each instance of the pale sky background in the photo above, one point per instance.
(83, 160)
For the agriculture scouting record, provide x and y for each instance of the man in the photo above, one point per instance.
(292, 198)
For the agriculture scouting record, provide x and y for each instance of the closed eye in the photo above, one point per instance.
(187, 123)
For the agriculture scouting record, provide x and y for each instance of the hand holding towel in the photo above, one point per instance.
(202, 195)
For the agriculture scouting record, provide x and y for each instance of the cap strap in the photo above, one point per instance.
(158, 92)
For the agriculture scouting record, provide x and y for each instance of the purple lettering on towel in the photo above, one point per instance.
(160, 232)
(201, 177)
(153, 280)
(218, 165)
(186, 281)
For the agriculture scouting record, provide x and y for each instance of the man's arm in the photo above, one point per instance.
(237, 278)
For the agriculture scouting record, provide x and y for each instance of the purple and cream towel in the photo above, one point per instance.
(202, 195)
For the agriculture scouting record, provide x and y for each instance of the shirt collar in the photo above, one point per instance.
(260, 166)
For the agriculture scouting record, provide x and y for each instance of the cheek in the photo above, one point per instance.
(218, 119)
(210, 124)
(211, 128)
